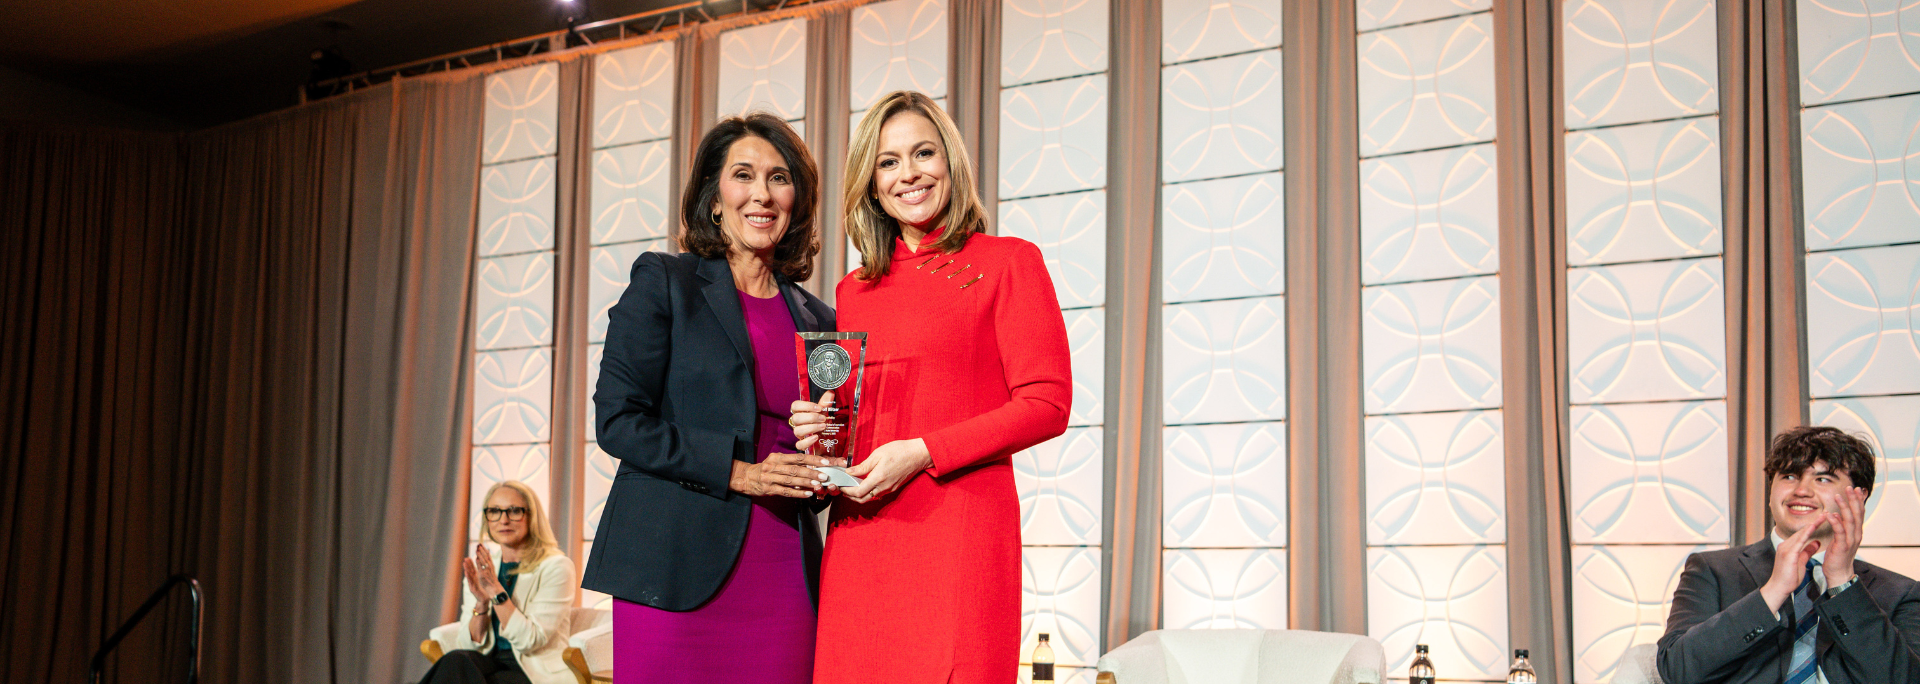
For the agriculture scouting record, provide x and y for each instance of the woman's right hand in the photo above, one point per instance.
(781, 475)
(472, 573)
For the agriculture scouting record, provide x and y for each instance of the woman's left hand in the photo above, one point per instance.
(888, 469)
(487, 575)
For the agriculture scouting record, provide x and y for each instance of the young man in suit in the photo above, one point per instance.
(1797, 607)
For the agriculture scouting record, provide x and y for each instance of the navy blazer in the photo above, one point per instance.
(675, 405)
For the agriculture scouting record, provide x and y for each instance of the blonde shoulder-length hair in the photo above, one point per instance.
(871, 229)
(537, 527)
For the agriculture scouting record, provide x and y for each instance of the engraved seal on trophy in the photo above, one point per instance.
(828, 366)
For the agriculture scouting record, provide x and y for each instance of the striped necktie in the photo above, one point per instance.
(1802, 668)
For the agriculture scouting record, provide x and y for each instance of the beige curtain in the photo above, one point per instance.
(829, 35)
(241, 356)
(1765, 252)
(1530, 155)
(572, 227)
(332, 296)
(1326, 555)
(94, 271)
(973, 89)
(1131, 471)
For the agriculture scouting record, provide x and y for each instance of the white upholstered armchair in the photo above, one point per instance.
(1244, 656)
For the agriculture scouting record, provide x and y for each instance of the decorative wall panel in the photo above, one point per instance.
(1071, 231)
(1224, 361)
(1861, 173)
(1224, 485)
(494, 464)
(1220, 117)
(609, 268)
(1426, 86)
(1060, 587)
(1646, 332)
(1053, 137)
(513, 301)
(1857, 49)
(513, 272)
(1377, 14)
(1903, 560)
(1087, 342)
(1224, 589)
(512, 396)
(1892, 426)
(516, 208)
(629, 193)
(765, 68)
(633, 95)
(590, 598)
(1436, 478)
(1049, 39)
(1862, 308)
(522, 112)
(1198, 29)
(1649, 473)
(1431, 346)
(1429, 215)
(1451, 598)
(1060, 485)
(898, 45)
(1223, 238)
(1639, 60)
(590, 425)
(1053, 159)
(1642, 192)
(600, 469)
(1620, 597)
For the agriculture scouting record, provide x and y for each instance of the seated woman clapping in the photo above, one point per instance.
(513, 607)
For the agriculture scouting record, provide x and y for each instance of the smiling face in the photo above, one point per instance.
(507, 531)
(910, 171)
(1799, 499)
(756, 196)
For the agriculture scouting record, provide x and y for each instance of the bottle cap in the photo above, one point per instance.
(1519, 653)
(1420, 648)
(1043, 636)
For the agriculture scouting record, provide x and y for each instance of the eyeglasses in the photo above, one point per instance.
(515, 513)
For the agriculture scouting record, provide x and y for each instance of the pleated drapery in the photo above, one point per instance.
(240, 358)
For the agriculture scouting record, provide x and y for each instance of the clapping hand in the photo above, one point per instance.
(482, 578)
(1847, 512)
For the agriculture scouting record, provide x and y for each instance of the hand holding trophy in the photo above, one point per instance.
(832, 365)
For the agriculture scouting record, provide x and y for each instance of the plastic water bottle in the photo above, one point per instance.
(1522, 671)
(1422, 670)
(1042, 661)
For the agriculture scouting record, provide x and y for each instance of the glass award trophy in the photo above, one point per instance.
(834, 362)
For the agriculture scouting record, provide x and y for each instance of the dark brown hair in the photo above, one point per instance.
(1795, 450)
(793, 256)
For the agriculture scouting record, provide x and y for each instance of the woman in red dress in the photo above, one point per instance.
(967, 364)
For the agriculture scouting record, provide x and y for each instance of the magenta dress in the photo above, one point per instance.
(758, 629)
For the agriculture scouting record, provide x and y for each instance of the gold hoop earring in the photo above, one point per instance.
(716, 219)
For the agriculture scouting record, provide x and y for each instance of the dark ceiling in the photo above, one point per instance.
(204, 62)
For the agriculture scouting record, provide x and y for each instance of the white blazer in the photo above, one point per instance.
(535, 630)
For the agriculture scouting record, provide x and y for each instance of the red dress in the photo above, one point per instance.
(969, 352)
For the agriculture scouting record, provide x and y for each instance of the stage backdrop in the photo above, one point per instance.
(1453, 322)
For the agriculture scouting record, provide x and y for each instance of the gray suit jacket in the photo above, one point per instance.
(1720, 630)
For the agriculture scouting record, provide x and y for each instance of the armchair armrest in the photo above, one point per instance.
(440, 640)
(589, 651)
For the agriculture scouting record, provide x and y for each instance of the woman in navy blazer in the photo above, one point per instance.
(707, 541)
